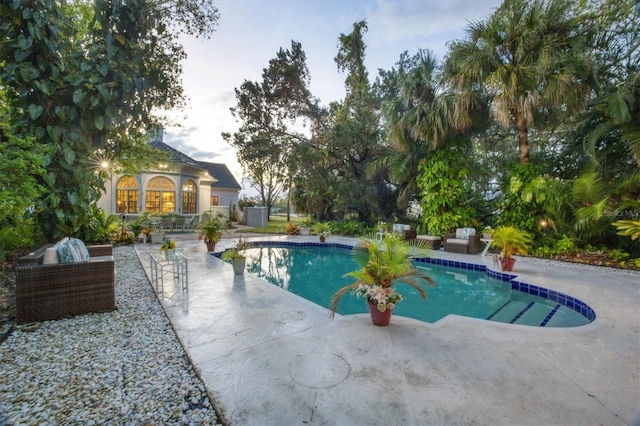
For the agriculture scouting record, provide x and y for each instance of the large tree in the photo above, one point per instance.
(85, 80)
(529, 59)
(355, 132)
(271, 113)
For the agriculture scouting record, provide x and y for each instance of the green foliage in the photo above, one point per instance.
(322, 228)
(530, 198)
(526, 57)
(445, 191)
(349, 227)
(268, 111)
(629, 228)
(510, 241)
(90, 103)
(211, 230)
(123, 237)
(21, 167)
(565, 245)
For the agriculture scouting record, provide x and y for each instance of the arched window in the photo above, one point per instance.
(160, 196)
(189, 196)
(127, 195)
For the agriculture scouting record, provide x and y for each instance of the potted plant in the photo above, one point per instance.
(236, 256)
(383, 264)
(305, 226)
(210, 231)
(510, 241)
(322, 229)
(487, 232)
(168, 247)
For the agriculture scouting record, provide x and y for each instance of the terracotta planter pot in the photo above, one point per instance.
(210, 246)
(377, 317)
(507, 264)
(323, 239)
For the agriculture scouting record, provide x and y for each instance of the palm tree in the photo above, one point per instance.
(528, 59)
(416, 120)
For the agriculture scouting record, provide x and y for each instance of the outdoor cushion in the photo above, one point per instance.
(80, 248)
(458, 240)
(464, 233)
(67, 253)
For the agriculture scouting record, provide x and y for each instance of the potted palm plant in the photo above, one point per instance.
(237, 256)
(322, 229)
(383, 264)
(210, 231)
(510, 241)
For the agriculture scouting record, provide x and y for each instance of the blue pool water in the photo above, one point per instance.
(317, 272)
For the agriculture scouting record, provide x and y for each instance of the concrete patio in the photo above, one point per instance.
(269, 357)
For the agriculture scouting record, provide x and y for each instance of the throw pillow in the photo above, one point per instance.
(67, 253)
(466, 232)
(79, 246)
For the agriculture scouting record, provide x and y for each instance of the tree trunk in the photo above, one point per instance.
(523, 139)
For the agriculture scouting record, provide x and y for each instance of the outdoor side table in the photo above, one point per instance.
(487, 241)
(177, 265)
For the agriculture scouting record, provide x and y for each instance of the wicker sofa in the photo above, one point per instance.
(460, 242)
(52, 291)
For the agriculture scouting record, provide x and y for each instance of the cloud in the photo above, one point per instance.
(431, 22)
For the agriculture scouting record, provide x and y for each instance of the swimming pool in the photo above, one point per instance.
(316, 271)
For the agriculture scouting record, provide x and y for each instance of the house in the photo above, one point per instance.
(184, 186)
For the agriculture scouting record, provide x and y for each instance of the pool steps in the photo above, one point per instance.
(519, 312)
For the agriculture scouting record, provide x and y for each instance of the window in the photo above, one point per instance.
(215, 200)
(161, 195)
(127, 195)
(189, 197)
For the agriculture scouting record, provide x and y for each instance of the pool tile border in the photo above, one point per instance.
(534, 290)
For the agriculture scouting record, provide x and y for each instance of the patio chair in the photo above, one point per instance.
(191, 223)
(463, 241)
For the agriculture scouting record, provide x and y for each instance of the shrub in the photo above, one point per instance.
(292, 229)
(564, 246)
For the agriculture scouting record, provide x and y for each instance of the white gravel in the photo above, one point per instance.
(124, 367)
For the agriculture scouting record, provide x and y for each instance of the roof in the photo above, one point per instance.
(177, 156)
(221, 172)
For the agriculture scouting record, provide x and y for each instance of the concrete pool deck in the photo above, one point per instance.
(269, 357)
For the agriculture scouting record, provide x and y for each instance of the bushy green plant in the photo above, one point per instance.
(510, 240)
(211, 230)
(123, 236)
(565, 245)
(322, 229)
(383, 264)
(445, 191)
(347, 227)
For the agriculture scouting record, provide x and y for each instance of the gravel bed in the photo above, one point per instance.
(578, 265)
(125, 367)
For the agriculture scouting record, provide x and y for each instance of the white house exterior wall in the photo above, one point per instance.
(226, 196)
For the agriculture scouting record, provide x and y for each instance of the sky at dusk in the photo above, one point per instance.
(250, 32)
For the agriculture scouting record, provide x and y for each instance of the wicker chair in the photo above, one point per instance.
(471, 245)
(48, 292)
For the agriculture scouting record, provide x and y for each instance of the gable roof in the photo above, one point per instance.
(221, 172)
(177, 156)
